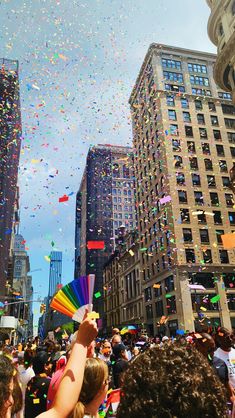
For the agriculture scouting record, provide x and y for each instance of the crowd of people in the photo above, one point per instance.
(188, 376)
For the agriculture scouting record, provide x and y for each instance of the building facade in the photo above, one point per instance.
(10, 133)
(184, 140)
(123, 296)
(55, 272)
(221, 32)
(105, 202)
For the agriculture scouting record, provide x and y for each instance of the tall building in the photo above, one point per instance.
(221, 32)
(184, 137)
(123, 296)
(105, 202)
(55, 272)
(10, 135)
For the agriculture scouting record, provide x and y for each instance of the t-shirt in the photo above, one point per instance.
(118, 367)
(229, 358)
(221, 369)
(54, 384)
(36, 396)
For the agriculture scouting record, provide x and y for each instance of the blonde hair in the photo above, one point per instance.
(95, 374)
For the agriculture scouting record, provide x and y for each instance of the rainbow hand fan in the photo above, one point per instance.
(75, 297)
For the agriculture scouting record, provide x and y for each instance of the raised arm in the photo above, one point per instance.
(71, 383)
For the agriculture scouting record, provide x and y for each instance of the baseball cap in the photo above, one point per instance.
(118, 348)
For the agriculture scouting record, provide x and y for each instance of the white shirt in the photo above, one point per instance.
(229, 358)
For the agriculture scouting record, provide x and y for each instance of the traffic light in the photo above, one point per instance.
(42, 308)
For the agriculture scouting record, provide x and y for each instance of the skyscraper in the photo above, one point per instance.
(55, 272)
(105, 202)
(10, 134)
(221, 32)
(184, 136)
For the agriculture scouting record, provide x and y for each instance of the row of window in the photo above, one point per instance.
(120, 199)
(193, 162)
(199, 200)
(205, 147)
(125, 192)
(120, 215)
(204, 235)
(126, 208)
(202, 216)
(229, 123)
(196, 181)
(192, 67)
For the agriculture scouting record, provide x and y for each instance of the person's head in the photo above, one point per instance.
(173, 381)
(17, 396)
(116, 339)
(94, 387)
(7, 371)
(106, 348)
(136, 351)
(119, 351)
(223, 339)
(28, 358)
(115, 331)
(39, 362)
(205, 344)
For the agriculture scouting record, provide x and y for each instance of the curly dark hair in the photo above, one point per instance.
(6, 374)
(172, 382)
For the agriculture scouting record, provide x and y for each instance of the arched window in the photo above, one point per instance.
(221, 30)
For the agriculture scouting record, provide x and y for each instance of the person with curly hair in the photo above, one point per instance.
(7, 371)
(175, 381)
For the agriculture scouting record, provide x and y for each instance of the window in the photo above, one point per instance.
(186, 117)
(187, 235)
(190, 255)
(193, 163)
(211, 181)
(233, 8)
(224, 256)
(223, 166)
(198, 197)
(218, 233)
(200, 118)
(229, 200)
(200, 81)
(231, 137)
(149, 311)
(196, 179)
(178, 162)
(197, 68)
(191, 146)
(168, 63)
(159, 308)
(220, 30)
(211, 106)
(148, 294)
(217, 217)
(226, 181)
(198, 105)
(174, 129)
(169, 284)
(231, 216)
(172, 87)
(182, 194)
(180, 178)
(201, 218)
(201, 92)
(206, 148)
(232, 150)
(170, 101)
(204, 236)
(208, 164)
(217, 134)
(203, 133)
(207, 257)
(184, 214)
(188, 130)
(229, 123)
(171, 306)
(184, 103)
(220, 150)
(171, 114)
(228, 109)
(214, 199)
(176, 145)
(214, 121)
(223, 95)
(173, 76)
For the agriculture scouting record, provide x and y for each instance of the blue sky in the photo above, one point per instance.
(78, 63)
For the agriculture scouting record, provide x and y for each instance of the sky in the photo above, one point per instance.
(78, 62)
